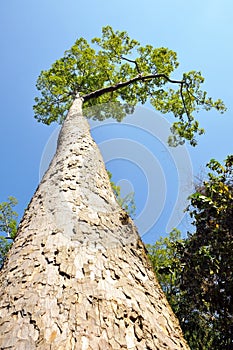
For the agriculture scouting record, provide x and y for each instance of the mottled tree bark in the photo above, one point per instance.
(77, 276)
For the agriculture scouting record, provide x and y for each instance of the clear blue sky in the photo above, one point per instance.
(35, 33)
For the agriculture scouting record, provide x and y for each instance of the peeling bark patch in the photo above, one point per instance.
(124, 218)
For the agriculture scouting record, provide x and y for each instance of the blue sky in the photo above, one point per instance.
(35, 33)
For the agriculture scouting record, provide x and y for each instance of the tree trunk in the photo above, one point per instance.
(77, 275)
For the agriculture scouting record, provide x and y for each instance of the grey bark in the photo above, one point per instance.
(77, 275)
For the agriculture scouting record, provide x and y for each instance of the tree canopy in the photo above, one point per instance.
(103, 71)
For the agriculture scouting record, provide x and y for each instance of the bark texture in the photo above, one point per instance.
(77, 276)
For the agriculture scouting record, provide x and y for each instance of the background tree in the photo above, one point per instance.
(8, 226)
(208, 256)
(196, 272)
(102, 73)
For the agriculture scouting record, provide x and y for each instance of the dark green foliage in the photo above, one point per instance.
(117, 69)
(8, 226)
(208, 256)
(196, 273)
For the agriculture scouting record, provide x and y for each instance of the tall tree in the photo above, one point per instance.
(77, 276)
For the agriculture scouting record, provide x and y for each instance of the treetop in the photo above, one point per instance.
(115, 68)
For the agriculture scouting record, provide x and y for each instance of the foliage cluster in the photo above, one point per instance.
(128, 202)
(8, 226)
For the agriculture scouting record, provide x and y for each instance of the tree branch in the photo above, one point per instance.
(131, 61)
(182, 97)
(112, 88)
